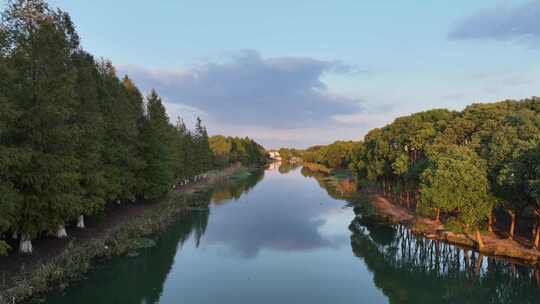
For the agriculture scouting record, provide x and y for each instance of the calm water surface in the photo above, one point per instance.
(284, 236)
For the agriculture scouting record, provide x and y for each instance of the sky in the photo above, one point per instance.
(300, 73)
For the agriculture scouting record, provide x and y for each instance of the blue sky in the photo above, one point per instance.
(297, 73)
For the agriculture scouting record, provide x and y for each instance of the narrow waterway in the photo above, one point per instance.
(284, 236)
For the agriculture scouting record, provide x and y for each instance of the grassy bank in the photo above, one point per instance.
(78, 257)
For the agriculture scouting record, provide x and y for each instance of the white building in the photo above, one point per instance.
(274, 155)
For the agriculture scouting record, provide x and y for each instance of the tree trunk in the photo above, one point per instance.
(80, 222)
(513, 225)
(479, 238)
(537, 232)
(61, 232)
(479, 263)
(25, 245)
(490, 223)
(15, 235)
(438, 218)
(537, 238)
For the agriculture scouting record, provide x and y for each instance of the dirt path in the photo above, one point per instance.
(493, 245)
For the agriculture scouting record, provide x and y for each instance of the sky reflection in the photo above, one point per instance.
(299, 217)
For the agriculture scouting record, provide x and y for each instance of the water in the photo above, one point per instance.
(286, 236)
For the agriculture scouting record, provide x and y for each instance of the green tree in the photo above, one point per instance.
(155, 135)
(122, 110)
(202, 151)
(90, 147)
(40, 46)
(456, 180)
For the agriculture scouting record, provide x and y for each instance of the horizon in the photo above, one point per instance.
(309, 73)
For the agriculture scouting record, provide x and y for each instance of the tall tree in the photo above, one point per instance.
(41, 44)
(92, 132)
(155, 135)
(122, 110)
(203, 153)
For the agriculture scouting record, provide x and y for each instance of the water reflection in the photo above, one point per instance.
(288, 216)
(138, 279)
(410, 269)
(285, 168)
(343, 188)
(232, 189)
(287, 239)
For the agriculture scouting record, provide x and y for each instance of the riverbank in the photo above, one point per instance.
(120, 230)
(493, 245)
(317, 168)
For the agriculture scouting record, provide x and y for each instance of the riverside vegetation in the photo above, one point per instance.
(125, 236)
(74, 137)
(474, 170)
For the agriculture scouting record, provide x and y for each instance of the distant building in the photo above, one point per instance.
(274, 155)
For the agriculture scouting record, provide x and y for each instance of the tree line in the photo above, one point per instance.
(334, 156)
(234, 149)
(471, 168)
(74, 136)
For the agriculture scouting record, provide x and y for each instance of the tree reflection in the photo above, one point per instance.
(286, 167)
(139, 279)
(411, 269)
(340, 188)
(232, 189)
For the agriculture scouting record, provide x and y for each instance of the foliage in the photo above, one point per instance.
(462, 163)
(457, 180)
(74, 136)
(228, 150)
(289, 155)
(465, 163)
(335, 156)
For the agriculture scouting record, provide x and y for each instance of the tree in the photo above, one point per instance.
(203, 153)
(221, 148)
(90, 147)
(122, 109)
(456, 180)
(40, 46)
(155, 135)
(73, 136)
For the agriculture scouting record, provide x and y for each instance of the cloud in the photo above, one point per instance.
(503, 22)
(280, 92)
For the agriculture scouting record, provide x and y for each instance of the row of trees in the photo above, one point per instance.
(228, 150)
(337, 155)
(73, 136)
(464, 166)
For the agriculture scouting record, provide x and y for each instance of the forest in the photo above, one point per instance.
(75, 136)
(228, 150)
(468, 168)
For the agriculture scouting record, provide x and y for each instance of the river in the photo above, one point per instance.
(285, 236)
